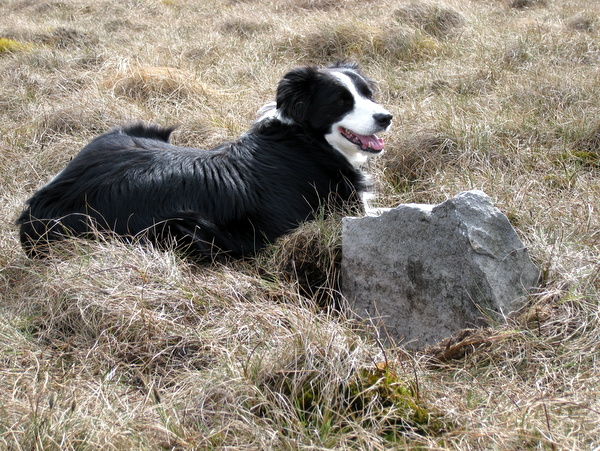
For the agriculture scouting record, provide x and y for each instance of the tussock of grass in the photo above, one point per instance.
(364, 41)
(144, 83)
(416, 159)
(63, 121)
(524, 4)
(65, 38)
(310, 257)
(324, 5)
(111, 346)
(244, 28)
(438, 21)
(590, 142)
(333, 42)
(582, 23)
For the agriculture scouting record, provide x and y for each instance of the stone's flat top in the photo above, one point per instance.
(472, 198)
(430, 270)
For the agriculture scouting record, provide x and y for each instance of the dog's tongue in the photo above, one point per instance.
(372, 141)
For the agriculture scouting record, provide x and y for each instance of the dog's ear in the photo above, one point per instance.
(343, 64)
(294, 93)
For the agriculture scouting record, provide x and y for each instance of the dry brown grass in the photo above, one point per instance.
(106, 346)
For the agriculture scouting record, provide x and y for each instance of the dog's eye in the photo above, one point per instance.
(344, 98)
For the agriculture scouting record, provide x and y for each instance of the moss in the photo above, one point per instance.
(10, 45)
(396, 401)
(374, 397)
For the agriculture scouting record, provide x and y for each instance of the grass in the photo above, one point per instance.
(117, 346)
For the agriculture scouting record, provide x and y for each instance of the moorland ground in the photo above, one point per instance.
(110, 346)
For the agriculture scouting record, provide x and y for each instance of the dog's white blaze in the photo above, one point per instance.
(360, 120)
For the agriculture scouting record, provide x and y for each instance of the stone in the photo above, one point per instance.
(425, 272)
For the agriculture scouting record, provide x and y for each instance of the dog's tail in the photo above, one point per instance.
(150, 131)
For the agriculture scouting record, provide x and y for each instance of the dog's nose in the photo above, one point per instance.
(383, 119)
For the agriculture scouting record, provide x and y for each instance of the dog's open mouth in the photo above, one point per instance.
(371, 143)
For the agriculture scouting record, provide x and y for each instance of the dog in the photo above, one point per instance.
(304, 153)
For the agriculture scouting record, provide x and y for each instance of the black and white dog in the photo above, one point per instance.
(302, 154)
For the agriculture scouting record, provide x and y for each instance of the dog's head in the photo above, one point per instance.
(337, 103)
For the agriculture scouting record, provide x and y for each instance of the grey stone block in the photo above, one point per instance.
(424, 272)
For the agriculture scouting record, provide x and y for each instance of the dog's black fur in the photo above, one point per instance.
(231, 200)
